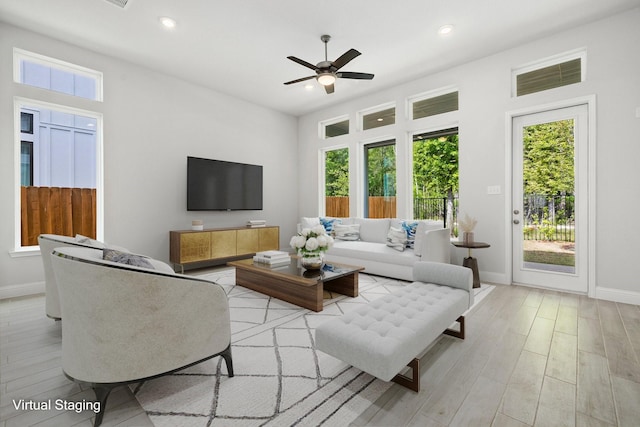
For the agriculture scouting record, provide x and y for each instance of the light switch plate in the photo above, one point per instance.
(493, 189)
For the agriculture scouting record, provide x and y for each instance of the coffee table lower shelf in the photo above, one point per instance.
(295, 285)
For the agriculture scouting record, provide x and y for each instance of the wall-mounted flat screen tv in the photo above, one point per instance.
(217, 185)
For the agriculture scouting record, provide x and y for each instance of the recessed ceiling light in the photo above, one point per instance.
(167, 22)
(308, 86)
(445, 30)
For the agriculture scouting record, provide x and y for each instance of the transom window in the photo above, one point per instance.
(556, 72)
(379, 118)
(434, 105)
(59, 76)
(334, 127)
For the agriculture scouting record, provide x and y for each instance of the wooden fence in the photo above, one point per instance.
(379, 207)
(54, 210)
(337, 207)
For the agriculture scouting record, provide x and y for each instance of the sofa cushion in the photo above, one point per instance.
(377, 252)
(347, 231)
(396, 239)
(373, 229)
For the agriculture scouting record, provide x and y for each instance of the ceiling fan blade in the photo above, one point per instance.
(329, 88)
(351, 75)
(302, 62)
(300, 80)
(345, 58)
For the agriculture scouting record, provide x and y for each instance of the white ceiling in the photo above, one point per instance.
(240, 47)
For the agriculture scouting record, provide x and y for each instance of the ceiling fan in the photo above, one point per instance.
(328, 71)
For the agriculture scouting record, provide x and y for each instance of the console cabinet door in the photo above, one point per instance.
(195, 247)
(223, 243)
(269, 239)
(248, 241)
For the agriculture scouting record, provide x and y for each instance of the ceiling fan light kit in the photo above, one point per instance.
(326, 79)
(327, 71)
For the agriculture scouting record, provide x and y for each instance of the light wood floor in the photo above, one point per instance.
(531, 357)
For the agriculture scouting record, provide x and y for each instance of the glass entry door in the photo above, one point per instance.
(550, 206)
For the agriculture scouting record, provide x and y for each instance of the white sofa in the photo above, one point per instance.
(372, 248)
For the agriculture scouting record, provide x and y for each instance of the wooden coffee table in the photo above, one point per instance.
(296, 285)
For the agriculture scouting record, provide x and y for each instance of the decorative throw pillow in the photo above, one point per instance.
(410, 228)
(309, 222)
(347, 232)
(89, 241)
(125, 258)
(329, 223)
(397, 239)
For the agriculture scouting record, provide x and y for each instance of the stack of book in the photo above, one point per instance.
(255, 223)
(272, 258)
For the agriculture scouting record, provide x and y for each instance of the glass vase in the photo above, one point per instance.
(312, 260)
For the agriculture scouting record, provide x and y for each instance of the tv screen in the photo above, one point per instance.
(216, 185)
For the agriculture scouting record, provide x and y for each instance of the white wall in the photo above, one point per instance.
(152, 122)
(613, 64)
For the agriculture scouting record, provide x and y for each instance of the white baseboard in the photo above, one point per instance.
(618, 295)
(15, 291)
(490, 277)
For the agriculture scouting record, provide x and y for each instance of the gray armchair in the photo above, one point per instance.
(124, 324)
(47, 243)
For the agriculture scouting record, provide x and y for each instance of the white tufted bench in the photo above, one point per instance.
(387, 334)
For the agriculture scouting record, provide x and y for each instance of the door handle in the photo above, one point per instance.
(515, 221)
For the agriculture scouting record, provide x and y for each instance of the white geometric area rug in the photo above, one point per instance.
(280, 378)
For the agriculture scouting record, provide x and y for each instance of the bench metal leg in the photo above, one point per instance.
(453, 332)
(410, 383)
(414, 383)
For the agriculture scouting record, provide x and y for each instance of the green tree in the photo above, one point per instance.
(435, 167)
(548, 158)
(337, 173)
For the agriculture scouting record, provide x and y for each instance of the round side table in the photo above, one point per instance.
(471, 262)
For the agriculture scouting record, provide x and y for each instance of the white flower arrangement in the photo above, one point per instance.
(311, 240)
(467, 224)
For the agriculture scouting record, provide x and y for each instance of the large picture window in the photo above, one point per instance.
(435, 176)
(58, 174)
(380, 178)
(336, 182)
